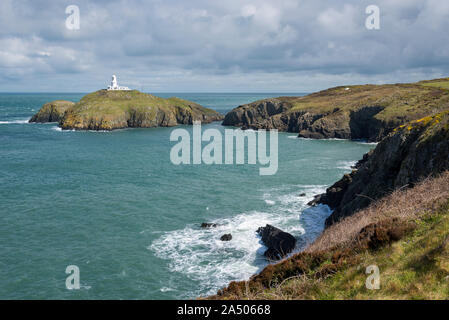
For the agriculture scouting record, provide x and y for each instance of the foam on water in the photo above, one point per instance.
(367, 143)
(201, 256)
(346, 165)
(56, 128)
(18, 121)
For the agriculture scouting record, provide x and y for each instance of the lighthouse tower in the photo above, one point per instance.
(114, 84)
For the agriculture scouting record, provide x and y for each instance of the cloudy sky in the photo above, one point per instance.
(220, 46)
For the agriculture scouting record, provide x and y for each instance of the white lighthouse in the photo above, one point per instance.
(114, 85)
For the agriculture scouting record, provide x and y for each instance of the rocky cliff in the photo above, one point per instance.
(368, 112)
(408, 154)
(52, 111)
(108, 110)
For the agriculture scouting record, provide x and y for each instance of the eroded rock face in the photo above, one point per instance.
(52, 111)
(279, 243)
(415, 151)
(255, 113)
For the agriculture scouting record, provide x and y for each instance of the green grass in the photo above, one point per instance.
(115, 102)
(107, 110)
(438, 83)
(399, 101)
(416, 267)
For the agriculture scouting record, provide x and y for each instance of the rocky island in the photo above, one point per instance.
(368, 112)
(117, 109)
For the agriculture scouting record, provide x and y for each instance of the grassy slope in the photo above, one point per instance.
(116, 102)
(400, 101)
(352, 112)
(112, 109)
(333, 267)
(416, 267)
(438, 83)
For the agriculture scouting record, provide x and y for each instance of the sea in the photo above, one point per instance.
(115, 207)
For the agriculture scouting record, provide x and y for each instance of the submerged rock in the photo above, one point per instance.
(206, 225)
(226, 237)
(279, 243)
(302, 195)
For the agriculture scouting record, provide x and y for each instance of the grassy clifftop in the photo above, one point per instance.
(442, 83)
(108, 110)
(350, 112)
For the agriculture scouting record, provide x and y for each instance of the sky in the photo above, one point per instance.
(219, 45)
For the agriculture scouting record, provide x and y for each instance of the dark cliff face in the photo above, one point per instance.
(356, 124)
(411, 153)
(357, 112)
(262, 113)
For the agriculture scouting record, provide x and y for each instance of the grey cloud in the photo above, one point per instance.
(267, 45)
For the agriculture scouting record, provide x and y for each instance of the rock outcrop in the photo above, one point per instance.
(207, 225)
(367, 112)
(279, 243)
(52, 111)
(109, 110)
(412, 152)
(226, 237)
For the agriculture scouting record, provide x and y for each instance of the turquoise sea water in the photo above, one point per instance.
(114, 205)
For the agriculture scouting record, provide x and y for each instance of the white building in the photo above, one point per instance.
(114, 85)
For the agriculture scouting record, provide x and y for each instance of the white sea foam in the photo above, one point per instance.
(201, 256)
(18, 121)
(367, 143)
(346, 165)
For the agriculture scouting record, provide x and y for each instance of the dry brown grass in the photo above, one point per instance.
(403, 204)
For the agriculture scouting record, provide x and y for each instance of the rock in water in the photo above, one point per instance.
(279, 243)
(226, 237)
(206, 225)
